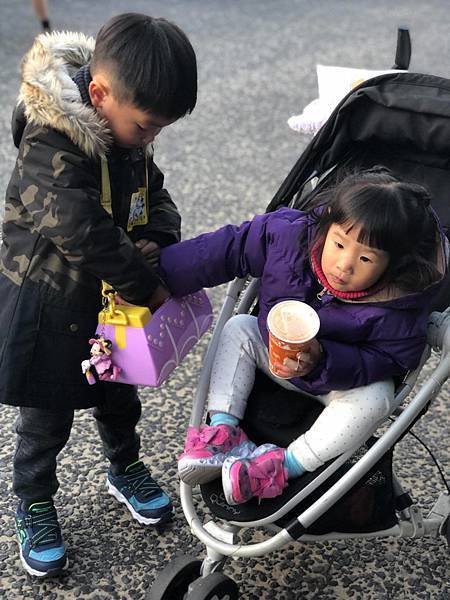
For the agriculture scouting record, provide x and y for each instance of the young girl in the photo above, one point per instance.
(367, 260)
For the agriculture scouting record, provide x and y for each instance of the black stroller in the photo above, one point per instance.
(402, 121)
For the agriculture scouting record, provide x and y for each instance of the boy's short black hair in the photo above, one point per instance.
(151, 64)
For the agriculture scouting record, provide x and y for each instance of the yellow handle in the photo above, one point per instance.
(110, 305)
(117, 317)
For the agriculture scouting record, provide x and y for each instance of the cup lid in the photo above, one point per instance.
(293, 321)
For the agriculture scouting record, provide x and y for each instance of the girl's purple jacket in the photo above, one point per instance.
(368, 340)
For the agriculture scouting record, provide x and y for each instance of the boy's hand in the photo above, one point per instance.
(150, 250)
(305, 363)
(158, 297)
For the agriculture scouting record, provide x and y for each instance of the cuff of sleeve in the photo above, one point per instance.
(141, 294)
(162, 238)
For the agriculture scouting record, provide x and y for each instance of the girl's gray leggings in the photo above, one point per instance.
(349, 416)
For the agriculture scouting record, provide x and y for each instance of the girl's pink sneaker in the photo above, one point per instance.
(261, 475)
(206, 449)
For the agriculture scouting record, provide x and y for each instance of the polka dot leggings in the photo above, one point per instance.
(349, 416)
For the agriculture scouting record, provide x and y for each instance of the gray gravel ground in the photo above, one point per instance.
(256, 68)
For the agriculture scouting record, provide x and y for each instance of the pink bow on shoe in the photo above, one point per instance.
(198, 439)
(267, 480)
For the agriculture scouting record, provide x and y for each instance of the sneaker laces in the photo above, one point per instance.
(44, 525)
(140, 481)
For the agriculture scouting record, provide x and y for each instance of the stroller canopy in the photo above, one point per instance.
(400, 120)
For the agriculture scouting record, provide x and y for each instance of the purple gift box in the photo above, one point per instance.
(147, 349)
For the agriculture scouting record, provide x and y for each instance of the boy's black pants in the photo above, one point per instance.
(42, 434)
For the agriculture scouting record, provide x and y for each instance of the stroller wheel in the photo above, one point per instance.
(215, 586)
(173, 581)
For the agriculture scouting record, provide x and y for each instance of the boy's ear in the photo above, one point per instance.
(98, 90)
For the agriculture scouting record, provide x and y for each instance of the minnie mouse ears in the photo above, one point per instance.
(104, 344)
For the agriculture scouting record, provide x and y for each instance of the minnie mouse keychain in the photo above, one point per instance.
(99, 367)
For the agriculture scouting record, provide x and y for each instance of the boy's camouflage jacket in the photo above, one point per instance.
(58, 241)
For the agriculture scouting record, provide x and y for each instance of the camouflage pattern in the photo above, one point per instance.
(58, 241)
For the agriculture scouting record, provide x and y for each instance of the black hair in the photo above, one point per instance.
(151, 63)
(393, 215)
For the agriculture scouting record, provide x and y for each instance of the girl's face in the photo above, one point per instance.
(348, 265)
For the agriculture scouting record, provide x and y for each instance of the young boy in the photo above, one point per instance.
(78, 106)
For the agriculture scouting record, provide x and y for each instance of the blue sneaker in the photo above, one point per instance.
(42, 550)
(141, 494)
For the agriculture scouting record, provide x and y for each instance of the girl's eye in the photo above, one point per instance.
(139, 127)
(365, 259)
(338, 245)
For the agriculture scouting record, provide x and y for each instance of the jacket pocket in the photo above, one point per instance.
(62, 343)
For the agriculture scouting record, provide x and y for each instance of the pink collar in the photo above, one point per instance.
(317, 268)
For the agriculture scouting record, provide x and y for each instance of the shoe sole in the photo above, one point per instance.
(35, 573)
(194, 474)
(226, 481)
(143, 520)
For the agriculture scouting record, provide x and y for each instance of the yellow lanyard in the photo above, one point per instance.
(106, 202)
(105, 196)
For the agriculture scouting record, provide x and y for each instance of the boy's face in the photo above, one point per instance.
(130, 126)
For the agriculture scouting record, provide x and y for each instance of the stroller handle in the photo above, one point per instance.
(403, 52)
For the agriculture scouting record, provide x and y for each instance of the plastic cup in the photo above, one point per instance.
(292, 325)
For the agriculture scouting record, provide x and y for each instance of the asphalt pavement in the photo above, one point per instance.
(257, 61)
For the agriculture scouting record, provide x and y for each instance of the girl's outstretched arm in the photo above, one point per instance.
(214, 258)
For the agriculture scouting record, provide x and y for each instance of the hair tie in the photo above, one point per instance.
(420, 194)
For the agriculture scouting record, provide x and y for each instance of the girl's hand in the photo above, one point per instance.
(306, 361)
(150, 250)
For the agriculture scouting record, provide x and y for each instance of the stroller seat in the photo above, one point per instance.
(278, 416)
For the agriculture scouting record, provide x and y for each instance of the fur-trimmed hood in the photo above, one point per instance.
(49, 97)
